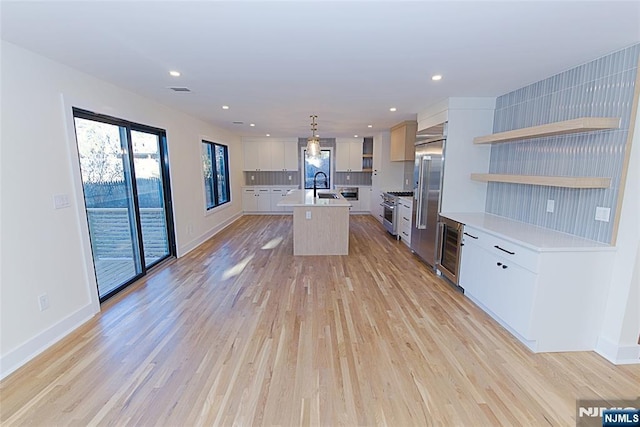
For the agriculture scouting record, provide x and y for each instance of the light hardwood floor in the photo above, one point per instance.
(241, 332)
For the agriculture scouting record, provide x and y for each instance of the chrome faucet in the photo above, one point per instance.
(326, 182)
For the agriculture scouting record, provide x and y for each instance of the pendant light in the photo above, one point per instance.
(313, 143)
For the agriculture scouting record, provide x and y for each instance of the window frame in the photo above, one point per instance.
(208, 149)
(332, 162)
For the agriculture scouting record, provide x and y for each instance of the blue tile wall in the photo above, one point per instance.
(601, 88)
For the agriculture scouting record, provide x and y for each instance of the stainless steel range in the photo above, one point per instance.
(390, 211)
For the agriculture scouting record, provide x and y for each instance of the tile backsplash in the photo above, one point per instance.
(272, 178)
(601, 88)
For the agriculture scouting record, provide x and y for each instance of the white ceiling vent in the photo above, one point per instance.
(238, 123)
(180, 89)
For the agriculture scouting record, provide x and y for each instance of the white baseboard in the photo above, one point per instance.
(618, 355)
(19, 356)
(203, 238)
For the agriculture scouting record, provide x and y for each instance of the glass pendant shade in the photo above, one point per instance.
(313, 147)
(313, 143)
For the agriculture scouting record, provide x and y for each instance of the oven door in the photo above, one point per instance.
(449, 249)
(350, 193)
(388, 217)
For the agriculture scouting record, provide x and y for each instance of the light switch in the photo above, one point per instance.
(307, 215)
(602, 214)
(61, 201)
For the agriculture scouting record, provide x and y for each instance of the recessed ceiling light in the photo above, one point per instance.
(268, 134)
(225, 107)
(393, 109)
(436, 77)
(369, 126)
(174, 73)
(252, 124)
(355, 136)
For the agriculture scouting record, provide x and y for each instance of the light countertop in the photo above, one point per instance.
(305, 198)
(528, 235)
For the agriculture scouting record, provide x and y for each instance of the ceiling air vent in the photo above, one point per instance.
(238, 123)
(180, 89)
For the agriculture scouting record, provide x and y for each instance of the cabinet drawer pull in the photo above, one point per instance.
(405, 234)
(405, 218)
(504, 250)
(504, 266)
(498, 264)
(467, 234)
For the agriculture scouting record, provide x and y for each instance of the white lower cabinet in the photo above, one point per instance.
(249, 200)
(549, 299)
(263, 199)
(405, 205)
(376, 205)
(364, 199)
(276, 195)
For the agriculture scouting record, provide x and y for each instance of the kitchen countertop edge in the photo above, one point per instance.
(305, 198)
(531, 236)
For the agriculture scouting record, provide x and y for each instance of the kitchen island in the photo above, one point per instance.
(320, 225)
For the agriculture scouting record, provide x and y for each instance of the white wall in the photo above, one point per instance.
(618, 341)
(389, 175)
(45, 250)
(466, 118)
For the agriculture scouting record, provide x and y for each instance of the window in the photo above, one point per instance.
(215, 166)
(320, 164)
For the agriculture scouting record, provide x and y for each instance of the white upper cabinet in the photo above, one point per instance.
(291, 154)
(270, 154)
(348, 155)
(257, 155)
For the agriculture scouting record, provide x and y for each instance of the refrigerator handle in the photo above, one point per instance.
(423, 192)
(418, 195)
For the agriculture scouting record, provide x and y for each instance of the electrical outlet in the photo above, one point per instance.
(253, 178)
(307, 214)
(289, 177)
(406, 182)
(43, 302)
(61, 201)
(602, 213)
(348, 177)
(551, 204)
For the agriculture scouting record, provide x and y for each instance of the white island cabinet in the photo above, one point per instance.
(545, 287)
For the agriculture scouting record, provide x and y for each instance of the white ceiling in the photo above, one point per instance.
(276, 63)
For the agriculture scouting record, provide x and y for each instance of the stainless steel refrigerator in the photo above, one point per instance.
(427, 177)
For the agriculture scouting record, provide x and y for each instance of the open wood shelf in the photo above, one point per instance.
(367, 170)
(549, 181)
(367, 156)
(583, 124)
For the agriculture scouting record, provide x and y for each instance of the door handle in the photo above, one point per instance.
(504, 250)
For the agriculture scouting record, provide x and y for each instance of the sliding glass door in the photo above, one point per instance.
(125, 182)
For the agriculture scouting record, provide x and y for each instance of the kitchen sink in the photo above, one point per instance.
(328, 196)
